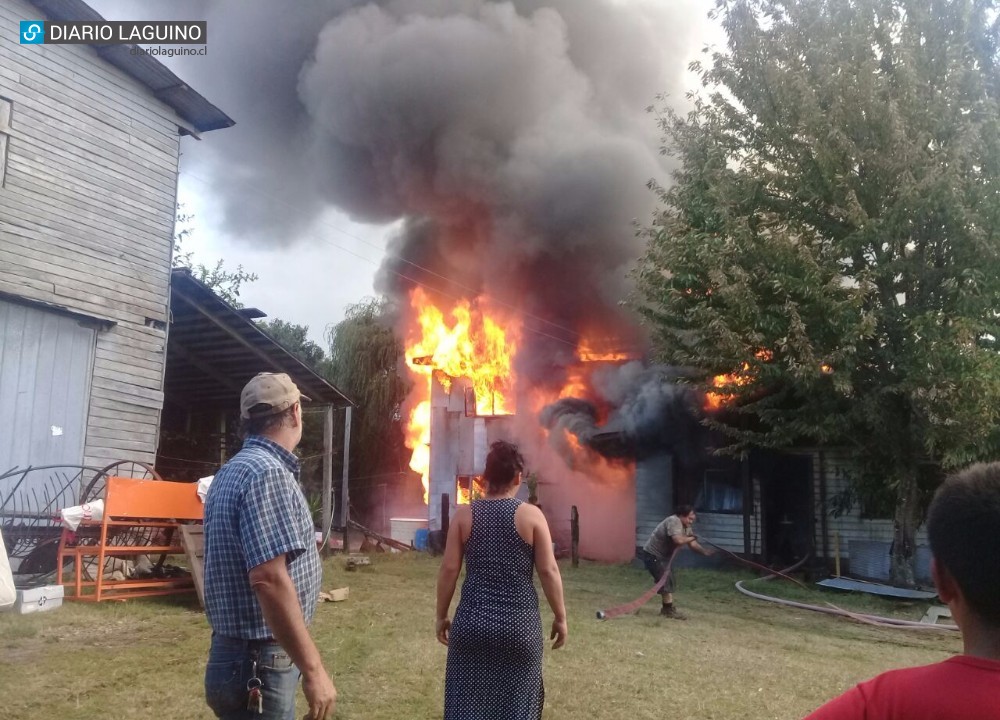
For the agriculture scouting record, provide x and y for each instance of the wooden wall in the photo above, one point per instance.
(851, 525)
(86, 220)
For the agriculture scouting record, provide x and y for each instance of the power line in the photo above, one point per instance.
(423, 284)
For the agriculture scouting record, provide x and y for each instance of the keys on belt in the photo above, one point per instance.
(255, 692)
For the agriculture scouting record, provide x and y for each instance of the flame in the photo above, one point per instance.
(465, 493)
(714, 401)
(576, 385)
(596, 351)
(418, 438)
(465, 342)
(473, 345)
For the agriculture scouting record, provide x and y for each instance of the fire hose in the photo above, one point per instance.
(830, 609)
(642, 599)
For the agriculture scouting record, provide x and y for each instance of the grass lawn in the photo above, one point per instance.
(733, 658)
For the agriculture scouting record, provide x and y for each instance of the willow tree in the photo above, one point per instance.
(831, 236)
(365, 361)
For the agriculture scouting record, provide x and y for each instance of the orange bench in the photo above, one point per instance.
(129, 505)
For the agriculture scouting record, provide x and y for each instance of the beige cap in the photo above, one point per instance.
(274, 392)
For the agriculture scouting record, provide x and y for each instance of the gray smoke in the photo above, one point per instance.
(510, 137)
(645, 410)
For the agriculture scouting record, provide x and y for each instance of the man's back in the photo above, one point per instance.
(660, 542)
(960, 688)
(254, 512)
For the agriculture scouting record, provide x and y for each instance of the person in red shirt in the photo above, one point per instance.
(963, 525)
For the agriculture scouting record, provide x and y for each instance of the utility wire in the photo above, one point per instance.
(425, 285)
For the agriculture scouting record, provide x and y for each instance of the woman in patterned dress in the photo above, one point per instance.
(495, 643)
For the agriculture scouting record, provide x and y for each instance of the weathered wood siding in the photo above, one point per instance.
(850, 525)
(654, 494)
(86, 220)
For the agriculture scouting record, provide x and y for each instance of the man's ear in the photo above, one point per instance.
(947, 588)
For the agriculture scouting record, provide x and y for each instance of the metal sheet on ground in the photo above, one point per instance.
(877, 589)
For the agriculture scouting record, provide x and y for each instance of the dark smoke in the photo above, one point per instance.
(649, 410)
(510, 137)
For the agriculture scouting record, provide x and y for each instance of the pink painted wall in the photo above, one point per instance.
(603, 493)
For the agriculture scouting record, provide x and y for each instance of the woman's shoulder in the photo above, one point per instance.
(529, 511)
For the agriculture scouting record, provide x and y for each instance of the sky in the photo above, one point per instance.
(310, 270)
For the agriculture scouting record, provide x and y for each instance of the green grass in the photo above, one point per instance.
(733, 658)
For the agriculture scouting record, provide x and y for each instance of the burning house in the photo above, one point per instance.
(509, 145)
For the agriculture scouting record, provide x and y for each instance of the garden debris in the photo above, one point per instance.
(353, 561)
(338, 595)
(381, 539)
(935, 613)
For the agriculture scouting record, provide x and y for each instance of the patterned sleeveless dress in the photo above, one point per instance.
(495, 643)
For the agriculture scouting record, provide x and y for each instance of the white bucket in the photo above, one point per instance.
(405, 529)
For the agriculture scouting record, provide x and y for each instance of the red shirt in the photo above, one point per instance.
(960, 688)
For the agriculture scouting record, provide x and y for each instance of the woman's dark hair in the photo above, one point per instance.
(502, 465)
(962, 527)
(683, 510)
(264, 424)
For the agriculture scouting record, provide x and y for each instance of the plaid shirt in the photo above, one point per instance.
(254, 512)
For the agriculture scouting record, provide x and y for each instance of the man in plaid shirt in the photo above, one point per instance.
(262, 568)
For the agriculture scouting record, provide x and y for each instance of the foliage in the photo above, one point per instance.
(831, 239)
(295, 339)
(224, 283)
(365, 362)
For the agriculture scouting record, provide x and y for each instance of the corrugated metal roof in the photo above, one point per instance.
(167, 87)
(213, 350)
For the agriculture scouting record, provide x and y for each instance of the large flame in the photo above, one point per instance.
(745, 376)
(467, 342)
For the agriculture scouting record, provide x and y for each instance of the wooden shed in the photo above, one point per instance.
(89, 148)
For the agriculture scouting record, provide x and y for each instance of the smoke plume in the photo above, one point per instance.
(510, 138)
(645, 410)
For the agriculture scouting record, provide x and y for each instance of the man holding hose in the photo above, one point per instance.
(669, 537)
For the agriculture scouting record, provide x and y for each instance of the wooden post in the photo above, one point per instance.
(445, 520)
(327, 521)
(836, 553)
(574, 528)
(824, 528)
(345, 498)
(746, 480)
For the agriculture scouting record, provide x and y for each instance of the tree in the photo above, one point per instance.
(365, 360)
(831, 239)
(295, 339)
(224, 283)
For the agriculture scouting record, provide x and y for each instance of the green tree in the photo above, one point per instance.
(224, 283)
(831, 238)
(365, 361)
(295, 339)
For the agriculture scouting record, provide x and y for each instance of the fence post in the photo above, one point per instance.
(574, 523)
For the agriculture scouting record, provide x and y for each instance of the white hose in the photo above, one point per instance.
(896, 623)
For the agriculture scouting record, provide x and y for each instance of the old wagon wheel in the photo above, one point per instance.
(121, 468)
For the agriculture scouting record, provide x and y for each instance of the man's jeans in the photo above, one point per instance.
(656, 568)
(230, 667)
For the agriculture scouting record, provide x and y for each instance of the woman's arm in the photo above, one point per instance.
(451, 566)
(548, 574)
